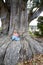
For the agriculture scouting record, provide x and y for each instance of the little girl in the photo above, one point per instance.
(15, 36)
(15, 33)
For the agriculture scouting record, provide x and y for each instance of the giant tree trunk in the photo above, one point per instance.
(11, 52)
(18, 17)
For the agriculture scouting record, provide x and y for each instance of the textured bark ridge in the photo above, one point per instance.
(17, 11)
(12, 52)
(18, 16)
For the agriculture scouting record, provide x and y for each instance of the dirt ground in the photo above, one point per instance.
(36, 60)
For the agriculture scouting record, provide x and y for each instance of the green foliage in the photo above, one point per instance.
(37, 3)
(30, 32)
(40, 19)
(25, 0)
(41, 2)
(36, 33)
(40, 24)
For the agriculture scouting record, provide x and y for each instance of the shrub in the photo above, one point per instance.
(36, 33)
(40, 24)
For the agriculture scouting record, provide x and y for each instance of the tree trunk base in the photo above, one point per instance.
(11, 52)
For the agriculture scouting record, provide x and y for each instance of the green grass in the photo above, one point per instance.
(32, 34)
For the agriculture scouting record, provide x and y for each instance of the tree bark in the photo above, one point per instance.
(18, 17)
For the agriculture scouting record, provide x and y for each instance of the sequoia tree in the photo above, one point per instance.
(19, 21)
(12, 52)
(18, 15)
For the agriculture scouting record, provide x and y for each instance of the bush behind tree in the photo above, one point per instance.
(40, 24)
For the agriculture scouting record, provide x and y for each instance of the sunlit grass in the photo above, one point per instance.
(32, 34)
